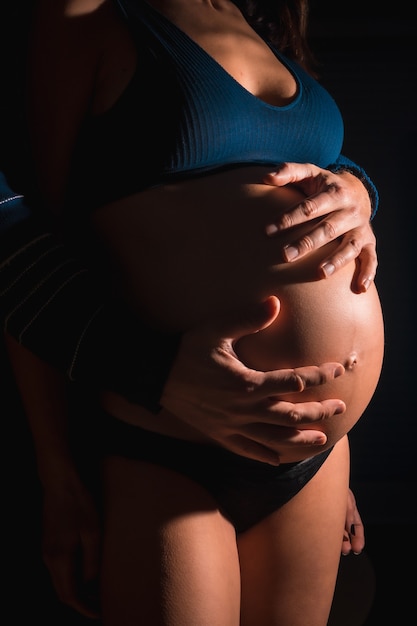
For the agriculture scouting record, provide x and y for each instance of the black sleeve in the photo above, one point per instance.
(54, 306)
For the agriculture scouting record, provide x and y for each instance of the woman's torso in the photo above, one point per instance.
(189, 251)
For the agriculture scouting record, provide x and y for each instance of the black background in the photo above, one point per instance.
(368, 61)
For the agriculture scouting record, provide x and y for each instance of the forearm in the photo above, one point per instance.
(43, 394)
(56, 308)
(40, 282)
(64, 318)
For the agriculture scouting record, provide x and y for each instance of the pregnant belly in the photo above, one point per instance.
(195, 252)
(319, 322)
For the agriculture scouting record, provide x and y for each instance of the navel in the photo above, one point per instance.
(351, 361)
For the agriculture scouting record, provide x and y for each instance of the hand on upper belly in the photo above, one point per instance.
(187, 256)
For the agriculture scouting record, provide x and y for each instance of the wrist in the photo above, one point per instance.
(360, 174)
(58, 474)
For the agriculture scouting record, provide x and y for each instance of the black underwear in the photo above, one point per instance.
(246, 491)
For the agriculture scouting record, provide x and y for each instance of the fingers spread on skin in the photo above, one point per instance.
(343, 201)
(305, 211)
(253, 450)
(270, 434)
(270, 384)
(356, 244)
(324, 196)
(348, 250)
(305, 412)
(323, 232)
(352, 248)
(262, 441)
(365, 268)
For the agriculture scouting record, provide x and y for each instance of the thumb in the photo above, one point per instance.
(291, 173)
(250, 320)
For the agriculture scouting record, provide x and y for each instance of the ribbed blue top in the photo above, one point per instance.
(183, 114)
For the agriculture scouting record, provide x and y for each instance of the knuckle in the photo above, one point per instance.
(309, 207)
(286, 221)
(305, 378)
(331, 183)
(339, 260)
(322, 377)
(328, 230)
(248, 384)
(305, 244)
(332, 187)
(370, 249)
(355, 245)
(321, 414)
(299, 383)
(294, 417)
(294, 380)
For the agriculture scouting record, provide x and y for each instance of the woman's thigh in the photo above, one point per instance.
(289, 561)
(169, 556)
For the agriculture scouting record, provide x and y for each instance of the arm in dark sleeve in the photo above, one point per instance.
(55, 307)
(346, 165)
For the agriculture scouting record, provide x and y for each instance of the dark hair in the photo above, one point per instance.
(284, 24)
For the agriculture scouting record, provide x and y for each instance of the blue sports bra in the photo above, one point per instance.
(182, 114)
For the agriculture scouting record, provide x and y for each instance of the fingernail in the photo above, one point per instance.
(271, 229)
(328, 269)
(290, 253)
(339, 370)
(366, 284)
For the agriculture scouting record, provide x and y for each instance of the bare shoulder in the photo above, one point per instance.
(70, 8)
(70, 35)
(61, 14)
(84, 22)
(82, 7)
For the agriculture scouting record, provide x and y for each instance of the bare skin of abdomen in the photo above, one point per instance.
(192, 251)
